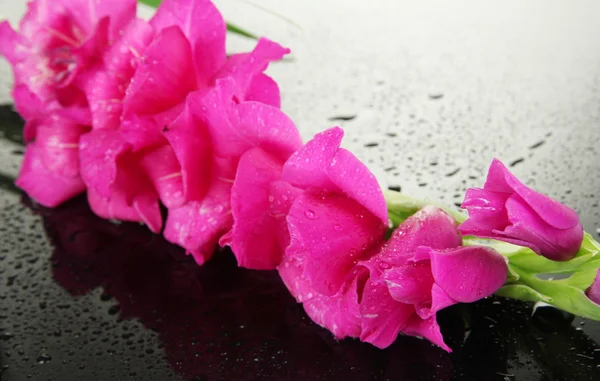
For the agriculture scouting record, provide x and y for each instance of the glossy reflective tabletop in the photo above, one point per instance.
(428, 94)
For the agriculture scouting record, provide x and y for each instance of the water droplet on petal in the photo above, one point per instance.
(310, 214)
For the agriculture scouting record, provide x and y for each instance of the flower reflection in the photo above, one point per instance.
(217, 321)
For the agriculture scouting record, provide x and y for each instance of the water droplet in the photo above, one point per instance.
(337, 228)
(114, 309)
(310, 214)
(42, 359)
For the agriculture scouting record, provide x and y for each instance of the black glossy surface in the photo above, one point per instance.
(87, 299)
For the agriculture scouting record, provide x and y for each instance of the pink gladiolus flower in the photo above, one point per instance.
(593, 292)
(213, 139)
(57, 41)
(507, 210)
(50, 170)
(420, 271)
(118, 187)
(143, 88)
(339, 218)
(260, 232)
(144, 79)
(338, 264)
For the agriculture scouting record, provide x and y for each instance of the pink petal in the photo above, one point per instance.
(99, 151)
(331, 233)
(11, 44)
(438, 301)
(46, 187)
(593, 292)
(410, 283)
(192, 145)
(487, 211)
(281, 198)
(429, 227)
(48, 37)
(549, 210)
(428, 329)
(162, 168)
(123, 56)
(58, 143)
(118, 188)
(91, 50)
(243, 68)
(105, 97)
(354, 179)
(382, 317)
(308, 166)
(28, 105)
(469, 273)
(78, 115)
(322, 164)
(291, 271)
(88, 13)
(340, 314)
(146, 130)
(556, 244)
(142, 208)
(163, 78)
(256, 237)
(265, 90)
(198, 225)
(203, 25)
(269, 128)
(236, 128)
(105, 85)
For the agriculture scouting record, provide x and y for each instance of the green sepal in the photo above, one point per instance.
(531, 276)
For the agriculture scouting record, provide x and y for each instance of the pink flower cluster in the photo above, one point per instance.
(143, 114)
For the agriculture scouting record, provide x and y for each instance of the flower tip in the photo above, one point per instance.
(271, 49)
(334, 131)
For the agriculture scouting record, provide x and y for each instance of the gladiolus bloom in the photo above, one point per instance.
(508, 210)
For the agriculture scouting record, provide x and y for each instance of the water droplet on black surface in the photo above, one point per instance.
(44, 358)
(342, 118)
(515, 162)
(538, 144)
(114, 310)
